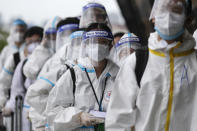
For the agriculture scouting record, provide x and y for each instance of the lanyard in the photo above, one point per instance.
(99, 103)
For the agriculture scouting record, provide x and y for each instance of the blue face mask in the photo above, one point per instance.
(170, 19)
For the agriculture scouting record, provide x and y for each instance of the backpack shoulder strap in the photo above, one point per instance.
(141, 62)
(16, 58)
(24, 77)
(62, 71)
(72, 72)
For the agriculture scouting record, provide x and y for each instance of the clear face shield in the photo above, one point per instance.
(50, 36)
(94, 13)
(97, 45)
(126, 46)
(170, 19)
(75, 46)
(63, 34)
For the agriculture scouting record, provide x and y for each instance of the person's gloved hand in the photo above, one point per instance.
(6, 112)
(89, 120)
(40, 129)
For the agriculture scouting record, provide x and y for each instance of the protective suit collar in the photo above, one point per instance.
(188, 43)
(86, 63)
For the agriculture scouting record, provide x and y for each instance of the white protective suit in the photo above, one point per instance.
(167, 97)
(59, 109)
(6, 52)
(6, 76)
(19, 87)
(37, 95)
(11, 48)
(51, 72)
(40, 55)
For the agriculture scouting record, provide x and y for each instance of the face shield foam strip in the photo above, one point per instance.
(51, 31)
(76, 34)
(68, 27)
(98, 34)
(130, 40)
(93, 5)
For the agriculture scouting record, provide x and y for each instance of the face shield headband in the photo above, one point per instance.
(93, 5)
(98, 34)
(68, 27)
(131, 40)
(50, 31)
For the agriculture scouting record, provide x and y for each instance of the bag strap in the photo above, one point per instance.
(16, 59)
(23, 75)
(141, 62)
(72, 72)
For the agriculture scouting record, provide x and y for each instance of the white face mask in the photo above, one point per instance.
(18, 37)
(170, 25)
(98, 52)
(31, 47)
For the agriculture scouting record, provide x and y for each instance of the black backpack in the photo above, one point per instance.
(141, 62)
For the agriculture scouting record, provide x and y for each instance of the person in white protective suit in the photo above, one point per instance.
(15, 41)
(64, 29)
(128, 43)
(195, 37)
(20, 84)
(165, 99)
(53, 76)
(112, 54)
(33, 37)
(47, 80)
(78, 96)
(44, 51)
(60, 56)
(6, 75)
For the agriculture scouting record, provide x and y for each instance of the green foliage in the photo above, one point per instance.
(3, 37)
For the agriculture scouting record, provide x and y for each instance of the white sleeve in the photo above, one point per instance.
(36, 61)
(38, 92)
(37, 96)
(121, 111)
(59, 110)
(37, 119)
(3, 57)
(6, 80)
(46, 67)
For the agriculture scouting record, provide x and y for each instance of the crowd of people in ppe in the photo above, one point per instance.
(76, 75)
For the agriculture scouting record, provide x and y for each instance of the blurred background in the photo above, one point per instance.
(125, 15)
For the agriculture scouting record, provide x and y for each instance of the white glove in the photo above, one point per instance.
(6, 112)
(40, 129)
(89, 120)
